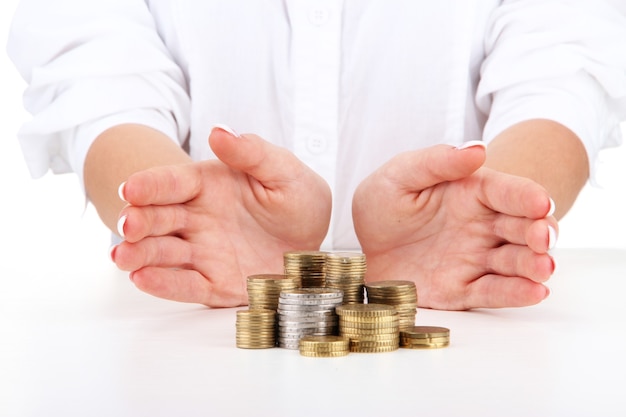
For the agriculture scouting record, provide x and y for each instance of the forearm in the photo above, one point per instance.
(115, 155)
(546, 152)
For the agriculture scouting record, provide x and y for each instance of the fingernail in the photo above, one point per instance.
(547, 293)
(226, 129)
(551, 237)
(112, 252)
(120, 191)
(471, 144)
(120, 225)
(552, 208)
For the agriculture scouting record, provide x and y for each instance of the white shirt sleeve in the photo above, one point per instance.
(560, 60)
(91, 65)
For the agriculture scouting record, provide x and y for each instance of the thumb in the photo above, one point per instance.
(424, 168)
(254, 156)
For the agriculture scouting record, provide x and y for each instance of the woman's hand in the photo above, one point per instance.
(194, 232)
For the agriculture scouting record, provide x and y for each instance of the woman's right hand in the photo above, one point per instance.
(194, 232)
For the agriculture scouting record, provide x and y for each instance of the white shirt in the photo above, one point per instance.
(344, 84)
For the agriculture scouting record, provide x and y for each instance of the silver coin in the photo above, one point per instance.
(305, 325)
(299, 313)
(311, 293)
(295, 319)
(325, 303)
(307, 307)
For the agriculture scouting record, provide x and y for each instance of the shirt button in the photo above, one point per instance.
(319, 17)
(316, 144)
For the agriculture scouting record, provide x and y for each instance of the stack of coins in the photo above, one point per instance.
(308, 266)
(306, 311)
(371, 328)
(402, 295)
(346, 271)
(324, 346)
(264, 289)
(425, 337)
(256, 329)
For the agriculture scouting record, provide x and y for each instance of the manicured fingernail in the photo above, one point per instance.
(552, 208)
(551, 237)
(471, 144)
(120, 225)
(226, 129)
(120, 191)
(547, 293)
(112, 252)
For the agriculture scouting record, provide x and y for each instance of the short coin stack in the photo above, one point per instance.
(400, 294)
(324, 346)
(308, 266)
(424, 337)
(264, 289)
(306, 311)
(256, 329)
(371, 328)
(346, 271)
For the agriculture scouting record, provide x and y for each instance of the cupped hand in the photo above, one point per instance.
(468, 236)
(194, 232)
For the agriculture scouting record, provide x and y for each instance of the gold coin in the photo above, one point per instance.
(322, 343)
(365, 310)
(380, 349)
(325, 354)
(425, 345)
(434, 340)
(368, 324)
(391, 283)
(425, 332)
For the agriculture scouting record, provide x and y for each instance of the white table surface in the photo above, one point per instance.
(85, 342)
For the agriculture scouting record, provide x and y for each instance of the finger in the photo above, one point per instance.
(514, 260)
(186, 286)
(539, 235)
(162, 185)
(137, 223)
(514, 195)
(269, 164)
(496, 291)
(165, 252)
(418, 170)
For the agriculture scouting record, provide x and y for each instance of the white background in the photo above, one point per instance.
(44, 216)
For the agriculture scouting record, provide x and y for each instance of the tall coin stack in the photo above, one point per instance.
(256, 329)
(346, 271)
(402, 295)
(264, 289)
(306, 311)
(425, 337)
(308, 266)
(371, 328)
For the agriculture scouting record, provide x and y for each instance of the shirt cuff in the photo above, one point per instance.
(574, 101)
(80, 139)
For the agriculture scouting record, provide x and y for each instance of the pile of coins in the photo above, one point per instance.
(264, 289)
(425, 337)
(402, 295)
(324, 346)
(308, 266)
(256, 329)
(317, 306)
(346, 271)
(371, 328)
(306, 311)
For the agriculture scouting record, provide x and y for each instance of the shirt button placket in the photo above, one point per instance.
(315, 61)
